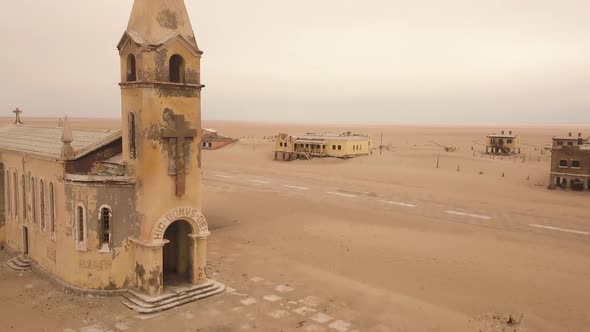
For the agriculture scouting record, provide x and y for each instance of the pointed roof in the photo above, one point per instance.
(67, 136)
(153, 22)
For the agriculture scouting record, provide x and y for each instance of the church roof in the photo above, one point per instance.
(153, 22)
(45, 142)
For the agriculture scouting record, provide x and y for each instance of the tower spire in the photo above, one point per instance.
(67, 138)
(154, 21)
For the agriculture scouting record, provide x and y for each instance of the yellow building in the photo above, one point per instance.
(119, 210)
(346, 145)
(503, 143)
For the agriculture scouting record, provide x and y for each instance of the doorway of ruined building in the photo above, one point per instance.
(178, 254)
(25, 241)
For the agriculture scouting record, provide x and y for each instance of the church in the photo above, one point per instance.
(119, 210)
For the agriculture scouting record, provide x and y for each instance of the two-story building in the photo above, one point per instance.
(503, 143)
(570, 163)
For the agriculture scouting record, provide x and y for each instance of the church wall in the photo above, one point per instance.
(97, 266)
(85, 164)
(43, 242)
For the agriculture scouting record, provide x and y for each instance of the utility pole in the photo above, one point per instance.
(381, 146)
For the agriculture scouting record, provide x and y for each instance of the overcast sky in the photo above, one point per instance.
(383, 61)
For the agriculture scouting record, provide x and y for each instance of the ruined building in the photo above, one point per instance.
(570, 163)
(119, 210)
(503, 144)
(345, 145)
(211, 140)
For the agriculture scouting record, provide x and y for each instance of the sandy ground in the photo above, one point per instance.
(379, 243)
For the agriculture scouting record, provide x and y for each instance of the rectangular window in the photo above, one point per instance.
(559, 142)
(575, 164)
(333, 147)
(80, 228)
(509, 141)
(563, 163)
(339, 147)
(570, 143)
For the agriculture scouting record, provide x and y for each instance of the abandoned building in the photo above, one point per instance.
(504, 144)
(346, 145)
(570, 163)
(211, 140)
(119, 210)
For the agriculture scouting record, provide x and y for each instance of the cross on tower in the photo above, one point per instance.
(17, 112)
(180, 131)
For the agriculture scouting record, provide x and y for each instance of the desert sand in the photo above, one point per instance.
(386, 242)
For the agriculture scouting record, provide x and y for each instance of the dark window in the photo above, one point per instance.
(131, 72)
(509, 141)
(570, 143)
(575, 164)
(339, 147)
(42, 203)
(24, 194)
(333, 147)
(563, 163)
(281, 143)
(33, 201)
(51, 208)
(80, 221)
(176, 69)
(559, 142)
(132, 147)
(105, 219)
(15, 191)
(8, 191)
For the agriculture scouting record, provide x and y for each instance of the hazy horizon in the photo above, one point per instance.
(378, 61)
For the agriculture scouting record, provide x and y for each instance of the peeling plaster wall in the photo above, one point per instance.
(46, 250)
(152, 102)
(85, 164)
(96, 268)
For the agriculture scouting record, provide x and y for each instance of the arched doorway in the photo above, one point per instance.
(178, 253)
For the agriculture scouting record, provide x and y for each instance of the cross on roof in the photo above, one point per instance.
(17, 113)
(179, 131)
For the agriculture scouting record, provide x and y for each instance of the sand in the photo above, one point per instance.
(373, 264)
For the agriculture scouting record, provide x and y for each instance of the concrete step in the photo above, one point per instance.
(151, 302)
(16, 267)
(19, 261)
(144, 307)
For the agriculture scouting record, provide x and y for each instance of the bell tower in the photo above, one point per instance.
(161, 129)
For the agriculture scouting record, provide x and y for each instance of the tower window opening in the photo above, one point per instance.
(132, 147)
(177, 69)
(131, 72)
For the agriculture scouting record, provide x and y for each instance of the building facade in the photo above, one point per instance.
(211, 140)
(114, 210)
(346, 145)
(503, 144)
(570, 163)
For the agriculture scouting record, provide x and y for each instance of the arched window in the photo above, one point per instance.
(132, 151)
(33, 201)
(52, 209)
(176, 69)
(131, 72)
(24, 195)
(105, 218)
(42, 203)
(15, 191)
(80, 220)
(8, 194)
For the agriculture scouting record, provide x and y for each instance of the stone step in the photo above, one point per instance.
(15, 267)
(19, 262)
(24, 259)
(216, 288)
(171, 291)
(143, 302)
